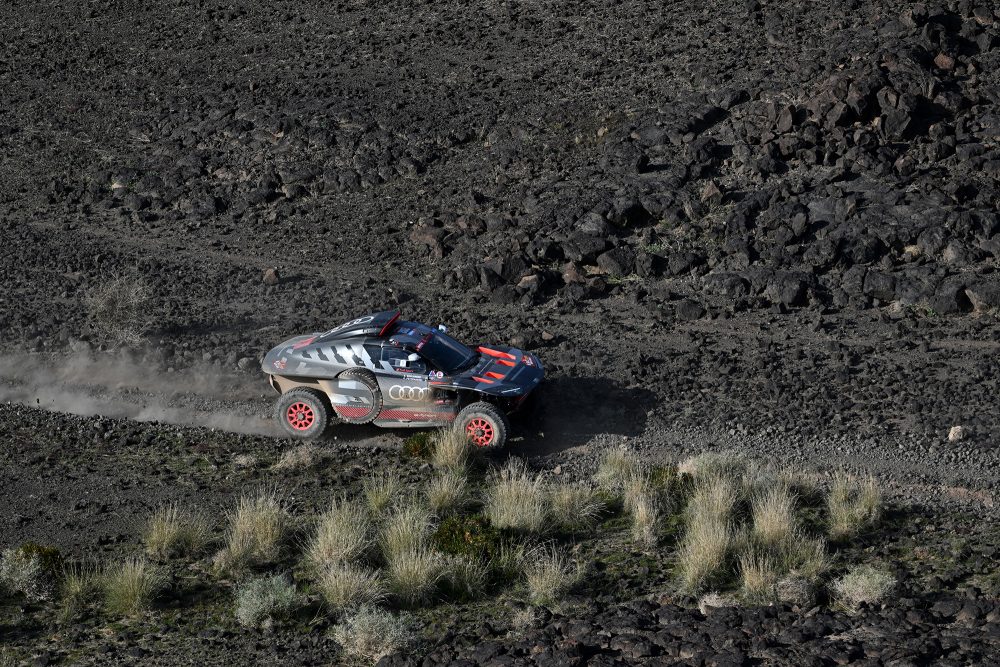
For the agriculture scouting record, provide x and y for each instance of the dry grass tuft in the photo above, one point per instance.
(372, 634)
(256, 529)
(863, 583)
(729, 465)
(448, 492)
(516, 499)
(758, 577)
(550, 575)
(406, 530)
(343, 533)
(382, 489)
(301, 457)
(645, 520)
(466, 577)
(172, 531)
(852, 505)
(450, 449)
(574, 506)
(343, 585)
(709, 535)
(130, 586)
(617, 466)
(414, 575)
(774, 520)
(80, 583)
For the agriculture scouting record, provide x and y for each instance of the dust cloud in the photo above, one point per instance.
(120, 386)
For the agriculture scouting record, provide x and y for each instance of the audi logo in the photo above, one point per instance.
(398, 392)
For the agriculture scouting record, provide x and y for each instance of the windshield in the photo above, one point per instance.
(446, 353)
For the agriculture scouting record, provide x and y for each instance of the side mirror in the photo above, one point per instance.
(442, 328)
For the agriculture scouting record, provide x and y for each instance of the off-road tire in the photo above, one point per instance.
(303, 413)
(368, 379)
(486, 425)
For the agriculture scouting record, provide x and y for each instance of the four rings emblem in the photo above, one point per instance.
(398, 392)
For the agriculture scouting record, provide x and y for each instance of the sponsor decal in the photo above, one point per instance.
(398, 392)
(280, 363)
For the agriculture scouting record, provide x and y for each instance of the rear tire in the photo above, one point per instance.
(302, 413)
(368, 379)
(486, 426)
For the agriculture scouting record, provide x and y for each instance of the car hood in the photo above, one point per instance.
(499, 371)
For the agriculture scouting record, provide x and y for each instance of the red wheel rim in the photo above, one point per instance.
(480, 431)
(300, 416)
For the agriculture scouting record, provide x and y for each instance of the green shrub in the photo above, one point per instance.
(468, 536)
(418, 445)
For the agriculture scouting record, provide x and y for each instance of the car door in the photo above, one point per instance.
(406, 387)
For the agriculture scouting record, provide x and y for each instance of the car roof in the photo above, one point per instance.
(374, 324)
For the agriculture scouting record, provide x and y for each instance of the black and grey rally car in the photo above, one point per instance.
(382, 370)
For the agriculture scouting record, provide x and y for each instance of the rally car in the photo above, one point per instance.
(382, 370)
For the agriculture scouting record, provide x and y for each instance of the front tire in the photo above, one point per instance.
(302, 413)
(484, 424)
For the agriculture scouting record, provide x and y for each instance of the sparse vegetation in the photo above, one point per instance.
(852, 506)
(447, 492)
(263, 600)
(382, 489)
(371, 634)
(343, 533)
(774, 521)
(517, 500)
(405, 531)
(256, 529)
(574, 506)
(465, 578)
(758, 576)
(414, 574)
(119, 308)
(450, 449)
(130, 586)
(344, 585)
(645, 520)
(616, 468)
(300, 457)
(79, 585)
(172, 531)
(418, 445)
(549, 575)
(863, 584)
(22, 573)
